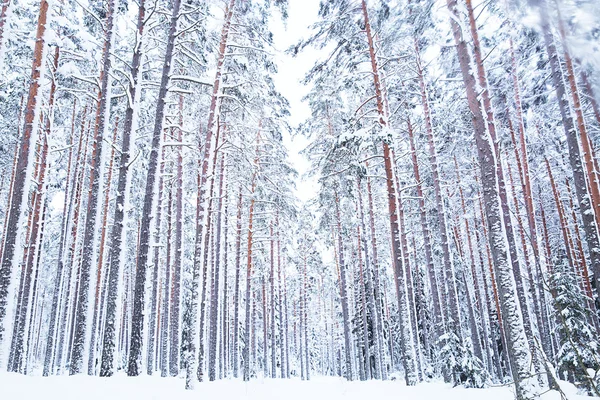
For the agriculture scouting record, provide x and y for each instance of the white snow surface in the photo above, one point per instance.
(120, 387)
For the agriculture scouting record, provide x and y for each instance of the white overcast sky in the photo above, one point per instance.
(302, 13)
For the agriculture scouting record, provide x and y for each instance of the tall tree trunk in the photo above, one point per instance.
(155, 325)
(492, 279)
(18, 198)
(58, 279)
(190, 321)
(35, 243)
(592, 173)
(89, 236)
(486, 107)
(372, 305)
(208, 238)
(123, 183)
(452, 297)
(225, 322)
(282, 331)
(35, 295)
(478, 297)
(523, 168)
(236, 289)
(135, 354)
(349, 370)
(12, 183)
(100, 267)
(363, 304)
(214, 295)
(406, 341)
(438, 315)
(3, 15)
(166, 299)
(265, 321)
(272, 305)
(23, 308)
(305, 317)
(376, 282)
(248, 300)
(518, 348)
(177, 260)
(287, 330)
(585, 207)
(73, 270)
(412, 312)
(246, 355)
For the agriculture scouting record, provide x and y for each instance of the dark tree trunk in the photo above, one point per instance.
(19, 193)
(372, 304)
(96, 316)
(406, 341)
(348, 342)
(116, 234)
(136, 338)
(518, 348)
(89, 234)
(236, 290)
(58, 279)
(249, 319)
(214, 299)
(176, 294)
(272, 306)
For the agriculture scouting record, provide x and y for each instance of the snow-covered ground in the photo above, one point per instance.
(20, 387)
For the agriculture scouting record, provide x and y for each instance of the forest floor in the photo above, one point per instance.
(120, 387)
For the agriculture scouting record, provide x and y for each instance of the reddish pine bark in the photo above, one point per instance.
(99, 269)
(583, 267)
(592, 173)
(562, 218)
(21, 184)
(517, 340)
(35, 222)
(586, 209)
(406, 342)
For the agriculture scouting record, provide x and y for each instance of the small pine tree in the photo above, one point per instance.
(579, 352)
(461, 367)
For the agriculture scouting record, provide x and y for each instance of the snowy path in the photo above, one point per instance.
(19, 387)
